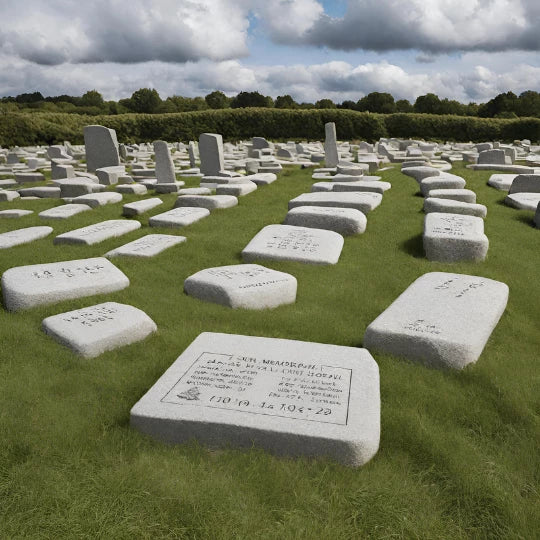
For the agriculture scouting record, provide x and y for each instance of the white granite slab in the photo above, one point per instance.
(98, 199)
(178, 217)
(24, 287)
(523, 201)
(211, 202)
(93, 330)
(289, 397)
(449, 206)
(290, 243)
(23, 236)
(98, 232)
(14, 213)
(344, 221)
(365, 202)
(442, 320)
(140, 207)
(147, 246)
(64, 211)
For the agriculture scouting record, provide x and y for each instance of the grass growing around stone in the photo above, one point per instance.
(459, 450)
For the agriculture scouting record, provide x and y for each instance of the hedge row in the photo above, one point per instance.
(48, 128)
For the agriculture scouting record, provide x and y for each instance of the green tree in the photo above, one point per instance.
(92, 98)
(430, 104)
(529, 104)
(251, 99)
(144, 100)
(325, 104)
(505, 102)
(377, 102)
(33, 97)
(348, 104)
(404, 106)
(285, 102)
(217, 100)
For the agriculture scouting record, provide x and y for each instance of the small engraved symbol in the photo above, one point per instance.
(191, 394)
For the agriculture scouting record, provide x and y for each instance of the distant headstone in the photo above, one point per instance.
(98, 199)
(140, 207)
(289, 397)
(98, 232)
(344, 221)
(64, 211)
(8, 196)
(363, 201)
(449, 206)
(147, 246)
(211, 154)
(492, 157)
(164, 163)
(247, 286)
(178, 217)
(23, 236)
(14, 213)
(101, 147)
(298, 244)
(443, 320)
(93, 330)
(24, 287)
(330, 145)
(525, 183)
(211, 202)
(192, 152)
(454, 237)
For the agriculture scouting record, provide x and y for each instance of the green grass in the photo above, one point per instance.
(459, 450)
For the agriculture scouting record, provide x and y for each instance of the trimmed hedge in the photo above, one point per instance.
(20, 129)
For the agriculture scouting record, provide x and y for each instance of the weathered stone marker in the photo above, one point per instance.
(211, 154)
(290, 397)
(247, 286)
(179, 217)
(98, 232)
(147, 246)
(63, 212)
(23, 236)
(442, 320)
(344, 221)
(24, 287)
(101, 147)
(290, 243)
(93, 330)
(331, 154)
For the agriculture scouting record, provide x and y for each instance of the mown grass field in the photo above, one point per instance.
(459, 453)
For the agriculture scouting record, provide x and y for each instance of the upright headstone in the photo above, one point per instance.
(330, 145)
(101, 147)
(289, 397)
(211, 154)
(164, 163)
(192, 152)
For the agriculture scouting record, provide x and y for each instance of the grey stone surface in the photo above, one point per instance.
(352, 169)
(344, 221)
(290, 243)
(43, 192)
(8, 183)
(98, 199)
(449, 206)
(419, 173)
(23, 236)
(78, 186)
(496, 157)
(211, 202)
(501, 181)
(362, 186)
(523, 201)
(101, 147)
(64, 211)
(195, 191)
(140, 207)
(14, 213)
(331, 154)
(98, 232)
(211, 153)
(322, 186)
(443, 181)
(537, 216)
(164, 163)
(525, 183)
(363, 201)
(27, 177)
(108, 176)
(289, 397)
(147, 246)
(7, 196)
(443, 320)
(178, 217)
(24, 287)
(463, 195)
(168, 188)
(94, 330)
(132, 189)
(236, 190)
(246, 286)
(262, 178)
(454, 237)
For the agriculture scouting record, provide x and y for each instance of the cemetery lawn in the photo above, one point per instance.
(459, 452)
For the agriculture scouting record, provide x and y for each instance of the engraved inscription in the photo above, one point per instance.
(306, 390)
(453, 226)
(258, 276)
(421, 326)
(91, 316)
(294, 240)
(69, 272)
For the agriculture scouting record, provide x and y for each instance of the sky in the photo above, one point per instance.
(469, 50)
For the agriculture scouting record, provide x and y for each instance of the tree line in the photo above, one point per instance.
(148, 100)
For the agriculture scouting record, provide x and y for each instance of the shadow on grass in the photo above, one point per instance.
(419, 194)
(414, 246)
(528, 220)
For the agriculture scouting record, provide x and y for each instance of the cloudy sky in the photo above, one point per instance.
(468, 50)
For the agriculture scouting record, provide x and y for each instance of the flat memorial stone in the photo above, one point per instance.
(363, 186)
(147, 246)
(23, 236)
(24, 287)
(444, 181)
(132, 189)
(247, 286)
(140, 207)
(15, 213)
(93, 330)
(64, 211)
(98, 232)
(344, 221)
(464, 195)
(449, 206)
(365, 202)
(290, 243)
(211, 202)
(454, 237)
(523, 201)
(237, 190)
(289, 397)
(501, 182)
(442, 320)
(98, 199)
(179, 217)
(7, 195)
